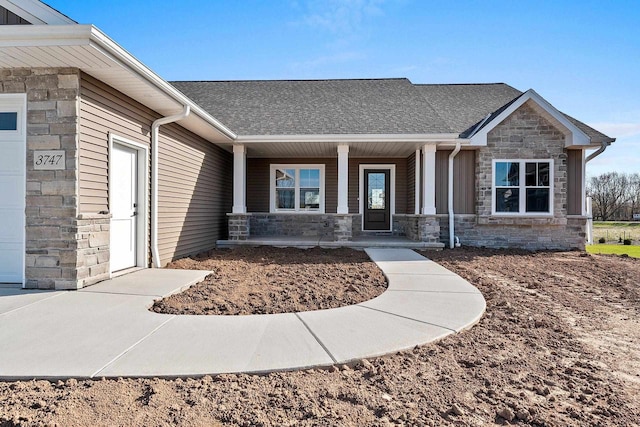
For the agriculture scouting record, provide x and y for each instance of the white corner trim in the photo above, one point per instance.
(573, 135)
(36, 12)
(142, 237)
(392, 190)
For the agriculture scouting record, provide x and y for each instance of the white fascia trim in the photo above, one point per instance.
(573, 135)
(347, 138)
(88, 35)
(139, 68)
(36, 12)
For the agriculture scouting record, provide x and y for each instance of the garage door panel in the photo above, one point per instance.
(10, 153)
(11, 263)
(12, 188)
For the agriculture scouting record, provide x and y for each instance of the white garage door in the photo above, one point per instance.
(12, 188)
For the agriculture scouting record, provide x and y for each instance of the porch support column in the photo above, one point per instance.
(343, 179)
(429, 179)
(239, 179)
(417, 184)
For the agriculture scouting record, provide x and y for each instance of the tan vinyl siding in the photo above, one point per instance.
(195, 193)
(194, 176)
(574, 182)
(103, 110)
(463, 182)
(258, 181)
(9, 18)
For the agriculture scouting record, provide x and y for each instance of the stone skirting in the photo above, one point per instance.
(326, 227)
(525, 233)
(421, 228)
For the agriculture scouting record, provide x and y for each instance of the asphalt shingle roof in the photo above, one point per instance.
(308, 107)
(358, 106)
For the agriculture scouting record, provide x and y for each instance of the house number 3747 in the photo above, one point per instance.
(48, 160)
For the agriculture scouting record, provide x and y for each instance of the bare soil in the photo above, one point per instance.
(559, 345)
(249, 280)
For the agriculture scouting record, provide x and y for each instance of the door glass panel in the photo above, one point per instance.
(8, 120)
(376, 191)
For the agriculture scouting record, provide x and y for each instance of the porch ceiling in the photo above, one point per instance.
(86, 48)
(357, 148)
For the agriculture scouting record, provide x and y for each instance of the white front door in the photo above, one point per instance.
(12, 190)
(123, 206)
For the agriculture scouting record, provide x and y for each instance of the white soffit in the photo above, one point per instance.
(87, 48)
(573, 135)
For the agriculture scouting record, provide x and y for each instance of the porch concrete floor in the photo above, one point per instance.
(106, 330)
(359, 242)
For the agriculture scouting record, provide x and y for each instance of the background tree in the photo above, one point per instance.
(610, 194)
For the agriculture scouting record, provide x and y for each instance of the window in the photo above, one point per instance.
(523, 187)
(297, 188)
(8, 120)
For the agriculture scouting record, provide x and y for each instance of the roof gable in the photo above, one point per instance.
(36, 12)
(573, 134)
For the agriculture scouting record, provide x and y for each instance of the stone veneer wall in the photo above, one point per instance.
(523, 135)
(421, 228)
(321, 226)
(63, 250)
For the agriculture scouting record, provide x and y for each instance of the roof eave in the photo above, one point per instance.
(350, 138)
(96, 43)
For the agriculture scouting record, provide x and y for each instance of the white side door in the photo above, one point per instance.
(123, 206)
(12, 189)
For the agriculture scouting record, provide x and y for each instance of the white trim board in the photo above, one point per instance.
(142, 237)
(573, 135)
(36, 12)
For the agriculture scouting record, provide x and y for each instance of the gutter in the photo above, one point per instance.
(450, 197)
(155, 135)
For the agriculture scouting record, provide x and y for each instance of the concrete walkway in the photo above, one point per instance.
(106, 330)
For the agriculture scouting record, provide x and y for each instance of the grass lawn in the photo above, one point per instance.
(632, 251)
(613, 230)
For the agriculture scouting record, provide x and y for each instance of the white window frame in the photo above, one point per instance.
(522, 202)
(297, 167)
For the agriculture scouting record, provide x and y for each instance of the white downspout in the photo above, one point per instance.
(587, 200)
(155, 134)
(450, 197)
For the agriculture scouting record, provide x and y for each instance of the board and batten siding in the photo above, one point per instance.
(464, 182)
(574, 182)
(194, 176)
(258, 181)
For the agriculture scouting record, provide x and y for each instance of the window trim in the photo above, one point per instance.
(297, 167)
(522, 200)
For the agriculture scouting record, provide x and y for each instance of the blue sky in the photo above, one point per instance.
(582, 56)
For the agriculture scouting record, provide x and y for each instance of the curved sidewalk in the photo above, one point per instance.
(106, 330)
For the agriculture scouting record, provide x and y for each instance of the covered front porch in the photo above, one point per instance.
(335, 194)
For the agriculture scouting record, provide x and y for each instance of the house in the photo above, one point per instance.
(105, 166)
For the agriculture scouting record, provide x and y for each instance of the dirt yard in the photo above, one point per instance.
(261, 281)
(559, 345)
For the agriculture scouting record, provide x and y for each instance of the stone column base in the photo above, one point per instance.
(239, 227)
(342, 227)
